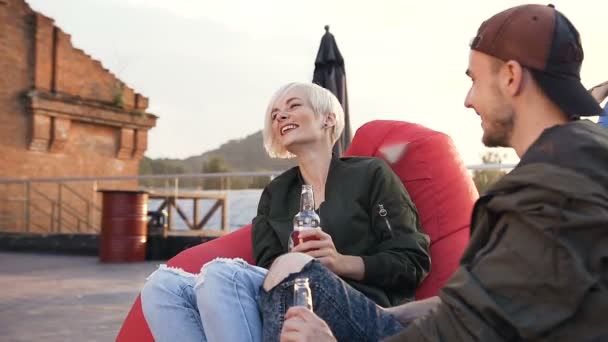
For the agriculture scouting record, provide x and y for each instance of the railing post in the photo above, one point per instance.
(195, 212)
(176, 188)
(88, 216)
(94, 202)
(59, 201)
(169, 216)
(174, 202)
(53, 217)
(225, 216)
(26, 206)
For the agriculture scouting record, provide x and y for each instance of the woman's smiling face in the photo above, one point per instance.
(294, 121)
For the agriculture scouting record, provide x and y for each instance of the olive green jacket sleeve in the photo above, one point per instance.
(400, 259)
(266, 244)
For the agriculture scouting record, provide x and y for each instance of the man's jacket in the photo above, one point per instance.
(536, 267)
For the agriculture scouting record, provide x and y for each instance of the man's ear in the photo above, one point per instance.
(512, 78)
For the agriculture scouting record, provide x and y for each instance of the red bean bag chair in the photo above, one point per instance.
(431, 170)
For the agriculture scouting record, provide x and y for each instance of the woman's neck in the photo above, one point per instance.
(314, 167)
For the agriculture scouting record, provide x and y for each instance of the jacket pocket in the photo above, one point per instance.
(384, 228)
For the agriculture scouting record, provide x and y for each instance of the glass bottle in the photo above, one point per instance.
(306, 218)
(301, 293)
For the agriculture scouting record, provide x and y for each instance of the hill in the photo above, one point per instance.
(246, 154)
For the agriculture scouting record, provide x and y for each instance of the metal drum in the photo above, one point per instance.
(123, 226)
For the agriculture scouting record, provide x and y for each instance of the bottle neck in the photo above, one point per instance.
(301, 283)
(307, 199)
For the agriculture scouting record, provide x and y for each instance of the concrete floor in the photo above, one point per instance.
(52, 298)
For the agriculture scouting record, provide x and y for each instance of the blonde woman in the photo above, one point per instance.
(383, 255)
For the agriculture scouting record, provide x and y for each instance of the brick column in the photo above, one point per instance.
(59, 135)
(125, 147)
(141, 143)
(44, 50)
(41, 133)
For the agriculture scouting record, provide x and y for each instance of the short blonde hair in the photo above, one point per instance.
(322, 102)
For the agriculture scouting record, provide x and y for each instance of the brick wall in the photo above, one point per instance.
(16, 56)
(62, 114)
(47, 138)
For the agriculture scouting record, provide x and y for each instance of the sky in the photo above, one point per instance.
(210, 67)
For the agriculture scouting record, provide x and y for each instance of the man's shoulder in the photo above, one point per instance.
(580, 146)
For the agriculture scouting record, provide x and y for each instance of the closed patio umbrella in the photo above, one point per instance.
(330, 74)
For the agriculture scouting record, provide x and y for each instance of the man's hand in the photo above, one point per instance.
(322, 248)
(302, 325)
(600, 92)
(405, 313)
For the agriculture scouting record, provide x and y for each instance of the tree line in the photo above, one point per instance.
(483, 179)
(215, 164)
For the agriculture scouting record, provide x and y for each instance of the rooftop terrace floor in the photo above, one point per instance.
(52, 298)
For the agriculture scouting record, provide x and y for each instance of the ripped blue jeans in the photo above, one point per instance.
(350, 315)
(218, 304)
(226, 302)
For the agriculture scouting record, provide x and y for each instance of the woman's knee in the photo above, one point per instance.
(164, 282)
(228, 277)
(283, 266)
(219, 272)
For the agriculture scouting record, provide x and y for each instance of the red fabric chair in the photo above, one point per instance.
(431, 170)
(434, 175)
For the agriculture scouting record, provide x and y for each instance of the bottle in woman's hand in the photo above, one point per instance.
(305, 219)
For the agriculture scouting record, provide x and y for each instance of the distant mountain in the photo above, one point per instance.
(247, 154)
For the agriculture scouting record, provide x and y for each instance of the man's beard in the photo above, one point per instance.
(499, 130)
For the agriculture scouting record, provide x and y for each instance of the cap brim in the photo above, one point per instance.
(568, 94)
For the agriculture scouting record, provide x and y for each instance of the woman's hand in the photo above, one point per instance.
(321, 247)
(302, 325)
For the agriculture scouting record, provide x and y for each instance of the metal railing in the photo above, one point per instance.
(72, 204)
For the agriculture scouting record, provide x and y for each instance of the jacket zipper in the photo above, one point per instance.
(383, 213)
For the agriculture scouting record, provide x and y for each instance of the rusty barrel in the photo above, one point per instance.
(123, 226)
